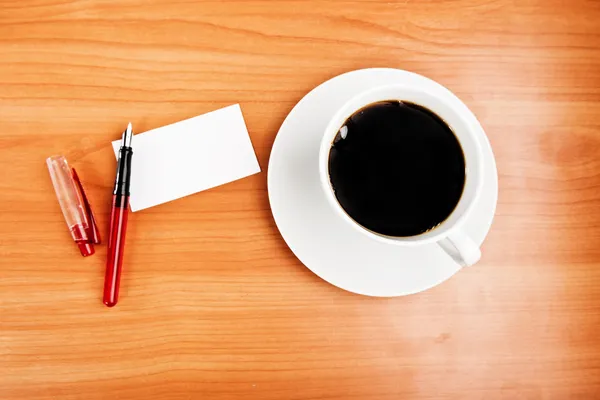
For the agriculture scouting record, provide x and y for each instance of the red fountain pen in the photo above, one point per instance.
(118, 221)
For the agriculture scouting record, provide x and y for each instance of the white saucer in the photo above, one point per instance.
(327, 245)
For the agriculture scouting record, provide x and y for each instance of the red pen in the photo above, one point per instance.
(118, 221)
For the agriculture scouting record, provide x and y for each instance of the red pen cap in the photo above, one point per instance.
(74, 205)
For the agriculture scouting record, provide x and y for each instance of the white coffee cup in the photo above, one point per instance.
(450, 231)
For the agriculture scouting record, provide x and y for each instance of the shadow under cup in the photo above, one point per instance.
(400, 165)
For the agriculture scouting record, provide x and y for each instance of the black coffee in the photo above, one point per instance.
(396, 168)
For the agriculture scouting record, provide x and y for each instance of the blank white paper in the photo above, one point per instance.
(189, 156)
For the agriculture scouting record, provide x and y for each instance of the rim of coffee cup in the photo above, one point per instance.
(441, 106)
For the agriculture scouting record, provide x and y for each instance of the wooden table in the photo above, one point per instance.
(214, 305)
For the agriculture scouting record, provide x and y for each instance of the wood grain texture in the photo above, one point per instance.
(213, 304)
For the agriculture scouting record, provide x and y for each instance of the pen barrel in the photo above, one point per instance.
(123, 178)
(116, 246)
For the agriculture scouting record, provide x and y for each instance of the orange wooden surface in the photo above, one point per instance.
(213, 304)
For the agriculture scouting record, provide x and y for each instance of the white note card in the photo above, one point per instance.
(189, 156)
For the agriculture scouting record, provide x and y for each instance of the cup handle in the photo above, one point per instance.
(461, 247)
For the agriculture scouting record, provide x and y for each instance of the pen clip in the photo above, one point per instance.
(92, 231)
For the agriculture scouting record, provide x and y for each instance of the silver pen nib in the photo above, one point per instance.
(127, 136)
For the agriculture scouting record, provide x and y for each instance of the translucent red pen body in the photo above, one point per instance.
(118, 222)
(116, 246)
